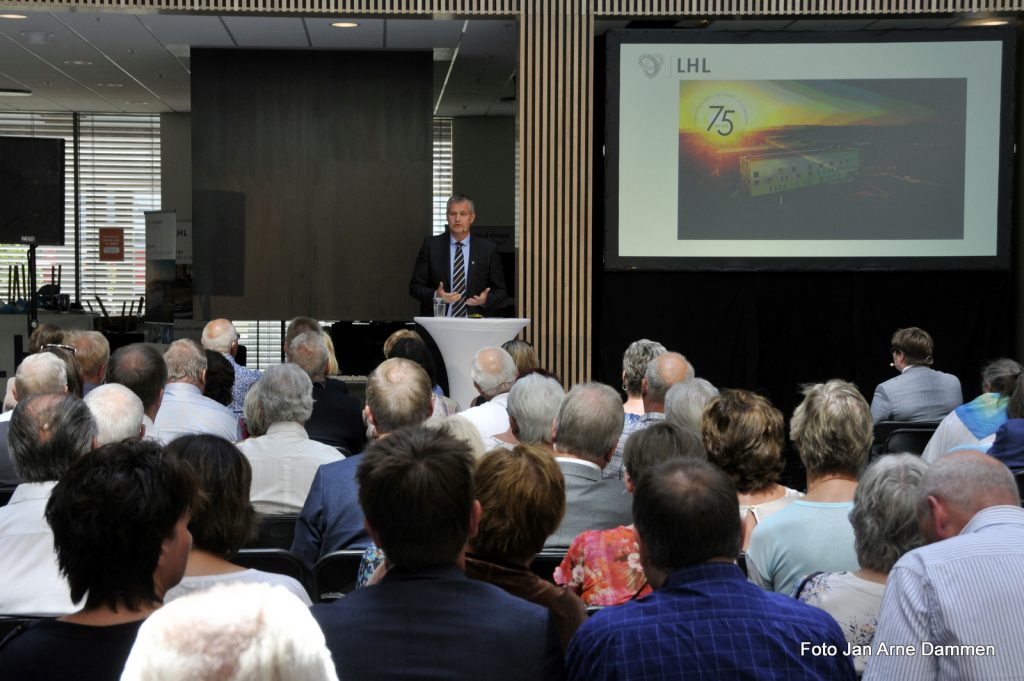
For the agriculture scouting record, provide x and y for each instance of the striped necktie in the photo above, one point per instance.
(459, 281)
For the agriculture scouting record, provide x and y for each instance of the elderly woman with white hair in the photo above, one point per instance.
(533, 405)
(285, 459)
(237, 632)
(832, 431)
(884, 519)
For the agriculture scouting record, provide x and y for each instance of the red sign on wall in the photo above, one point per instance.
(111, 244)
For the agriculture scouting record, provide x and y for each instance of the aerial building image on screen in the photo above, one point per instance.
(783, 159)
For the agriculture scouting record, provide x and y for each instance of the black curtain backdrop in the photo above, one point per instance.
(773, 332)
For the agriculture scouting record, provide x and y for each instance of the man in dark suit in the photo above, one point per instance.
(398, 394)
(586, 430)
(426, 618)
(464, 271)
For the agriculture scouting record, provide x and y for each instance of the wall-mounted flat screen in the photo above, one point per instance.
(854, 150)
(32, 191)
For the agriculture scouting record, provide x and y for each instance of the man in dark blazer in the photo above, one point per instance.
(398, 394)
(426, 618)
(432, 276)
(586, 431)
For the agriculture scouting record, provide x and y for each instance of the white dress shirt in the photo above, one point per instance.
(491, 417)
(284, 462)
(186, 411)
(152, 432)
(30, 582)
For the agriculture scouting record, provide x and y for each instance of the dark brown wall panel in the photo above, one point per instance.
(311, 181)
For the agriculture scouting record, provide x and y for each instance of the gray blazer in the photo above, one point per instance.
(590, 503)
(918, 394)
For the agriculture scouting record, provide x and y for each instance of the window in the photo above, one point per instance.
(119, 177)
(442, 172)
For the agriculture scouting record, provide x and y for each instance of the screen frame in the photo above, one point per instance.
(1005, 195)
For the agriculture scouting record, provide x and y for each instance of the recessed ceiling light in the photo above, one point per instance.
(109, 84)
(345, 24)
(14, 92)
(36, 37)
(77, 62)
(136, 101)
(13, 16)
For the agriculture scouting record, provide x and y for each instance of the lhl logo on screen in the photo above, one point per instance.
(651, 64)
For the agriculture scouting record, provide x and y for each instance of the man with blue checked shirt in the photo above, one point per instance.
(704, 620)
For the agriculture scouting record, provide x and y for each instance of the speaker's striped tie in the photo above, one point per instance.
(459, 281)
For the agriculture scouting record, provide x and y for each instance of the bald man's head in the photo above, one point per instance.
(219, 335)
(957, 487)
(663, 372)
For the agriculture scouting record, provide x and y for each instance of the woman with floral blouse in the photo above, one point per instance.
(603, 566)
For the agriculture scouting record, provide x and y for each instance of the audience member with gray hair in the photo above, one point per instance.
(251, 413)
(221, 336)
(884, 519)
(141, 368)
(40, 373)
(48, 433)
(586, 429)
(593, 567)
(92, 350)
(958, 593)
(685, 401)
(462, 430)
(533, 404)
(661, 373)
(634, 364)
(493, 372)
(37, 374)
(337, 419)
(832, 431)
(118, 413)
(238, 632)
(974, 424)
(184, 409)
(284, 460)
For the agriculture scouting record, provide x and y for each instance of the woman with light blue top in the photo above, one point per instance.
(832, 431)
(884, 519)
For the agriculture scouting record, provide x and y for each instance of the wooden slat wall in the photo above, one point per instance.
(555, 142)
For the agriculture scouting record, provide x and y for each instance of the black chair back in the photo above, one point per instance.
(9, 623)
(545, 562)
(335, 575)
(276, 532)
(279, 561)
(6, 493)
(897, 437)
